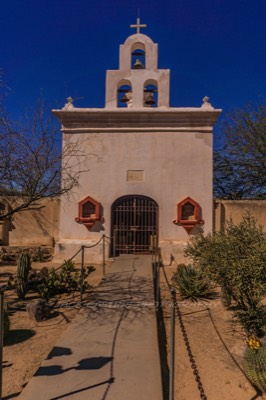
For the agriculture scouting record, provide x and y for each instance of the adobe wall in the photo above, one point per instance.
(224, 210)
(33, 227)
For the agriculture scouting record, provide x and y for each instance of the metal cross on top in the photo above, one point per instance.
(138, 25)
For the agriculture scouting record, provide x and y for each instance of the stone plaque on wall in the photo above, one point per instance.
(135, 176)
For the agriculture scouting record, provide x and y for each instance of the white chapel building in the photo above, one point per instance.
(150, 183)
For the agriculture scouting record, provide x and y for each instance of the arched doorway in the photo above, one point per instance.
(134, 226)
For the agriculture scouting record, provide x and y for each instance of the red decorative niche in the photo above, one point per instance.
(89, 212)
(188, 214)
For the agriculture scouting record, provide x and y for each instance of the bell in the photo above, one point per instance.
(124, 99)
(127, 97)
(138, 64)
(149, 99)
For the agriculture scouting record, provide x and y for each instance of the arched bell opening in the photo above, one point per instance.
(138, 58)
(124, 94)
(134, 225)
(150, 94)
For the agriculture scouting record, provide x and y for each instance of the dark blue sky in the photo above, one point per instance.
(63, 47)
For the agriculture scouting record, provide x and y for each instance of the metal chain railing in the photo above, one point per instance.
(82, 249)
(193, 364)
(190, 354)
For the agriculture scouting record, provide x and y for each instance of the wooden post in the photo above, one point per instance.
(172, 346)
(82, 273)
(103, 255)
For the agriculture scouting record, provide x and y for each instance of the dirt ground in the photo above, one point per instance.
(216, 345)
(30, 342)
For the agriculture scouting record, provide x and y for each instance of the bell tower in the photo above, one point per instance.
(138, 82)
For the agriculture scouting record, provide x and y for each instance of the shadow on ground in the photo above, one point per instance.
(91, 363)
(18, 335)
(11, 396)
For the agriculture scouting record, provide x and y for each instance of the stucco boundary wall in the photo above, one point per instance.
(31, 228)
(224, 210)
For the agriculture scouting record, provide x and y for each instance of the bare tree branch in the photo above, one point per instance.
(33, 165)
(240, 165)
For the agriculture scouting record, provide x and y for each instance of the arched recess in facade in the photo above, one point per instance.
(134, 225)
(124, 93)
(150, 93)
(138, 55)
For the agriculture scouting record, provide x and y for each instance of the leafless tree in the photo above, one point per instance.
(240, 165)
(32, 164)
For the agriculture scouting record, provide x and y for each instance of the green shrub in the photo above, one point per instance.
(191, 284)
(226, 294)
(253, 321)
(235, 259)
(39, 256)
(65, 280)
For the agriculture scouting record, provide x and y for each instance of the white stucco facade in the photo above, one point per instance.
(168, 149)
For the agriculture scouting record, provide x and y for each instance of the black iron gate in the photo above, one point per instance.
(134, 225)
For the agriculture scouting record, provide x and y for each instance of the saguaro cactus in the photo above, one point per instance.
(24, 266)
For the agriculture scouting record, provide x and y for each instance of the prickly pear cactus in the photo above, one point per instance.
(255, 364)
(24, 267)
